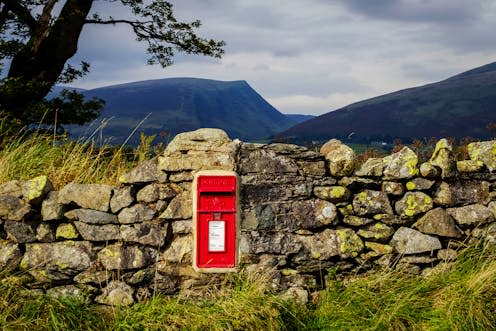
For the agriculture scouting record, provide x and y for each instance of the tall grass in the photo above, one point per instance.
(25, 157)
(463, 298)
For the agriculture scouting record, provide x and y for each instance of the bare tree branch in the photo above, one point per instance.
(21, 12)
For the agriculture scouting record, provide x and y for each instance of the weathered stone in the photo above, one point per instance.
(380, 249)
(438, 222)
(461, 193)
(13, 188)
(34, 190)
(341, 158)
(444, 159)
(56, 261)
(51, 209)
(135, 214)
(429, 171)
(447, 254)
(179, 251)
(356, 183)
(10, 255)
(312, 168)
(401, 165)
(261, 217)
(182, 227)
(419, 184)
(321, 246)
(182, 176)
(146, 233)
(91, 216)
(45, 233)
(20, 232)
(91, 196)
(66, 231)
(409, 241)
(389, 219)
(179, 208)
(471, 215)
(346, 210)
(93, 232)
(373, 167)
(484, 151)
(356, 220)
(149, 193)
(12, 208)
(418, 259)
(332, 193)
(145, 172)
(116, 294)
(120, 257)
(89, 276)
(371, 202)
(469, 166)
(296, 294)
(80, 293)
(393, 188)
(413, 203)
(349, 243)
(281, 243)
(378, 231)
(264, 161)
(122, 197)
(200, 149)
(314, 213)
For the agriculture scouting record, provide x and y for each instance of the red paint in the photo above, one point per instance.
(216, 203)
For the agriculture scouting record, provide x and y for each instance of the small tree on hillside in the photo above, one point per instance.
(38, 44)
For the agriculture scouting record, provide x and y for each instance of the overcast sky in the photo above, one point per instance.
(309, 56)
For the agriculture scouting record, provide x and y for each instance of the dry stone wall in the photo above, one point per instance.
(305, 216)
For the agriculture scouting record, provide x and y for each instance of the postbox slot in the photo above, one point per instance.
(218, 201)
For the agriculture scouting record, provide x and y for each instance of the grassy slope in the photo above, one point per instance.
(460, 106)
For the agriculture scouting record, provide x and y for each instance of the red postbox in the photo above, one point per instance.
(215, 221)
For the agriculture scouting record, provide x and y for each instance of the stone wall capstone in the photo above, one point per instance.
(305, 216)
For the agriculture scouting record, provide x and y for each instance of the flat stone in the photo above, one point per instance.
(279, 243)
(13, 188)
(66, 231)
(146, 172)
(393, 188)
(410, 241)
(373, 167)
(135, 214)
(378, 231)
(447, 255)
(91, 216)
(341, 158)
(20, 232)
(146, 233)
(356, 220)
(462, 193)
(378, 248)
(56, 261)
(90, 196)
(469, 166)
(314, 213)
(116, 293)
(332, 193)
(121, 198)
(51, 209)
(371, 202)
(418, 259)
(10, 255)
(263, 217)
(438, 222)
(429, 171)
(120, 257)
(471, 215)
(181, 176)
(94, 232)
(80, 293)
(179, 208)
(263, 161)
(483, 151)
(389, 219)
(179, 251)
(12, 208)
(413, 203)
(182, 227)
(99, 278)
(401, 165)
(35, 190)
(419, 184)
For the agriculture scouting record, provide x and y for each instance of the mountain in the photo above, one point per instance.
(182, 104)
(299, 118)
(460, 106)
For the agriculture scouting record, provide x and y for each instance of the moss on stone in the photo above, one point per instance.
(410, 186)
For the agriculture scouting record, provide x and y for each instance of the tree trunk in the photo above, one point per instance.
(35, 69)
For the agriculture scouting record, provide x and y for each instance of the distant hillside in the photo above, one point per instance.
(460, 106)
(184, 104)
(299, 118)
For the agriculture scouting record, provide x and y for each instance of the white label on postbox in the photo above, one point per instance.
(216, 236)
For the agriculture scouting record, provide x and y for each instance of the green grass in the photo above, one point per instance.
(461, 298)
